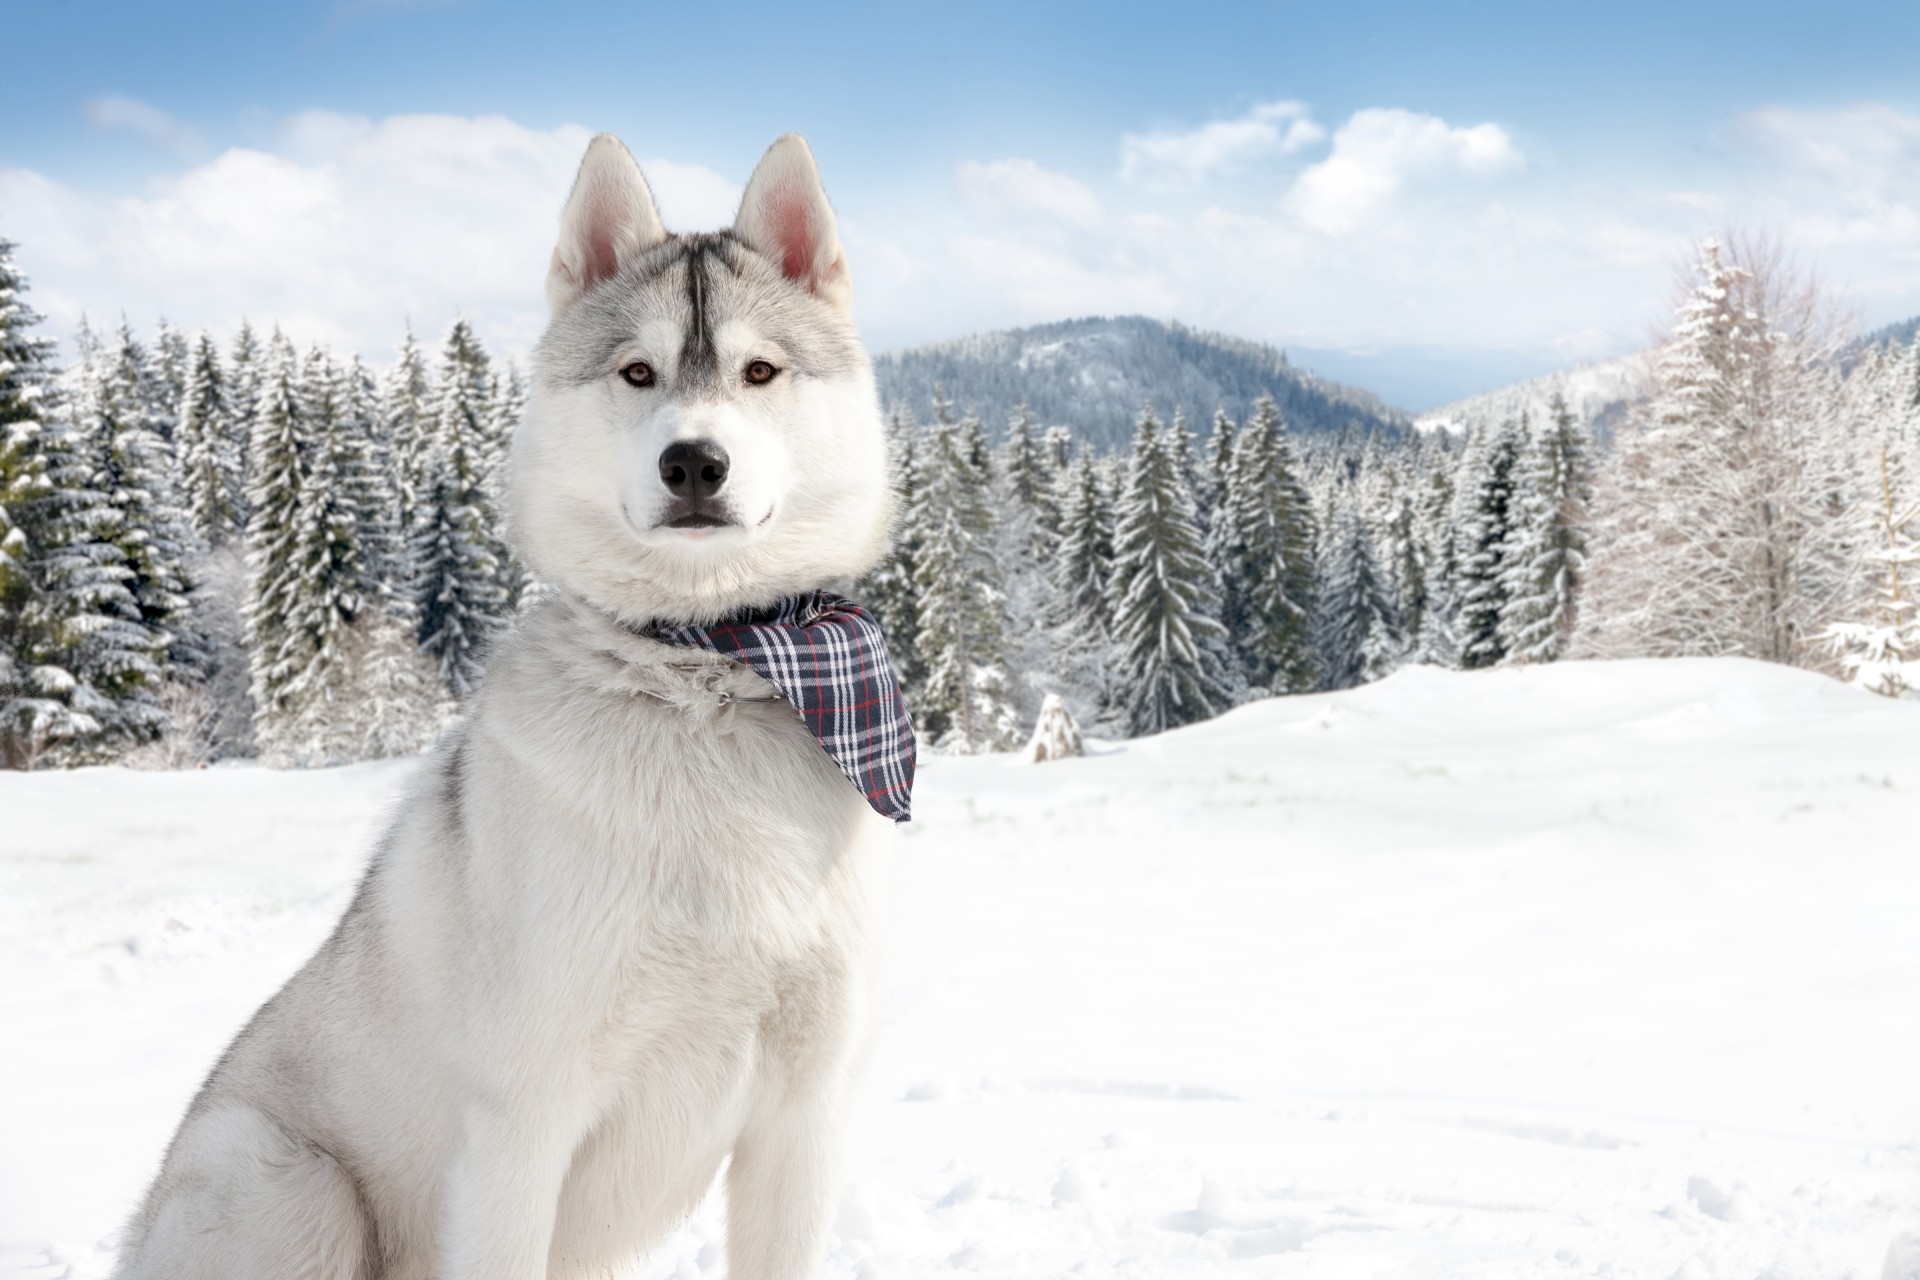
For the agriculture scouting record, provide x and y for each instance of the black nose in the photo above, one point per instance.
(693, 469)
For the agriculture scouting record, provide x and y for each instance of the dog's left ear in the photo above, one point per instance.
(785, 215)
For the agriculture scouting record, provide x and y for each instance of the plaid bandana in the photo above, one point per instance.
(826, 656)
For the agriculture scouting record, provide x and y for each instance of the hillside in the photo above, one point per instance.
(1584, 969)
(1598, 394)
(1093, 374)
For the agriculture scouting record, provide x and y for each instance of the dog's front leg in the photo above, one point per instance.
(504, 1190)
(780, 1188)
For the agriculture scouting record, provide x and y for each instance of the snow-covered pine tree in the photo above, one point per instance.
(243, 393)
(1083, 565)
(1214, 463)
(77, 669)
(1359, 639)
(966, 703)
(1403, 563)
(209, 464)
(457, 592)
(504, 407)
(1174, 666)
(276, 498)
(166, 379)
(131, 466)
(367, 483)
(406, 426)
(1435, 641)
(1483, 522)
(1720, 515)
(1546, 546)
(1260, 544)
(1882, 654)
(888, 590)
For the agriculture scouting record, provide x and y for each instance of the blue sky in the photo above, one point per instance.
(1424, 198)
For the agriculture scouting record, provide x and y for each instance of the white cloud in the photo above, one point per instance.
(339, 231)
(1192, 156)
(998, 188)
(1379, 151)
(150, 122)
(1851, 175)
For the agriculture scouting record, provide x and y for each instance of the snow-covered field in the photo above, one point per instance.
(1587, 970)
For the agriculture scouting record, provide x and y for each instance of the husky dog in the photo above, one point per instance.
(623, 928)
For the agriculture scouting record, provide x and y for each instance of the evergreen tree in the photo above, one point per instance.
(888, 590)
(961, 626)
(165, 382)
(77, 668)
(1359, 634)
(1484, 523)
(1434, 639)
(1084, 563)
(243, 394)
(1883, 655)
(279, 649)
(131, 467)
(1547, 542)
(209, 463)
(504, 407)
(1174, 665)
(1260, 545)
(457, 594)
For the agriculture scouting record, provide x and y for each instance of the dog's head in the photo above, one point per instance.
(702, 432)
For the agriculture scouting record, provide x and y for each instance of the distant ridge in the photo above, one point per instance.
(1900, 333)
(1093, 374)
(1598, 393)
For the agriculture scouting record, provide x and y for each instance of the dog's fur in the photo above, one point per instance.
(622, 930)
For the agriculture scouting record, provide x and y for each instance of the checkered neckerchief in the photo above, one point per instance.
(826, 656)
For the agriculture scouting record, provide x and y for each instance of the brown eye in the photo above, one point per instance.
(638, 374)
(760, 372)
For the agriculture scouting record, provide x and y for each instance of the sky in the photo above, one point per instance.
(1427, 200)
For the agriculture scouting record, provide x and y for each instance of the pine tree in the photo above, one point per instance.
(209, 464)
(1546, 546)
(1883, 655)
(1484, 520)
(1173, 649)
(77, 669)
(1260, 545)
(457, 592)
(277, 498)
(1359, 635)
(165, 382)
(960, 636)
(243, 394)
(1084, 563)
(1435, 639)
(888, 590)
(130, 465)
(504, 407)
(1721, 511)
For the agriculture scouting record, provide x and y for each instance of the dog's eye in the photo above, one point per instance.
(638, 374)
(760, 372)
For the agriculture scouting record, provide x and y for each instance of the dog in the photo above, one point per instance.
(625, 926)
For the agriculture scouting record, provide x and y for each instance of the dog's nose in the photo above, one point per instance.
(693, 469)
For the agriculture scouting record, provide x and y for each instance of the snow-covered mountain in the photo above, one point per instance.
(1598, 394)
(1093, 374)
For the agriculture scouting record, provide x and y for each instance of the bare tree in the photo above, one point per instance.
(1722, 514)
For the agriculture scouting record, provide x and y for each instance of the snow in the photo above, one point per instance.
(1592, 969)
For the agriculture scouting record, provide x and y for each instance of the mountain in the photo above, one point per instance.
(1093, 374)
(1900, 334)
(1598, 394)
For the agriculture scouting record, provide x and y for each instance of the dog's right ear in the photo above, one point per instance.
(610, 220)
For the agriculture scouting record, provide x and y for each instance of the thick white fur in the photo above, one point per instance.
(621, 932)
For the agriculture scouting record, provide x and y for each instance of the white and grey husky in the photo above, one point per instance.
(622, 930)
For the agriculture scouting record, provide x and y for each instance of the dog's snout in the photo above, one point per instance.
(693, 469)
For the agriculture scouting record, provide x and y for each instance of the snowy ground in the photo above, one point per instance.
(1590, 970)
